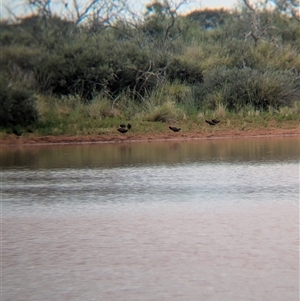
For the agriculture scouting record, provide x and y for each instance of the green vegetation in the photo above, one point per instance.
(86, 75)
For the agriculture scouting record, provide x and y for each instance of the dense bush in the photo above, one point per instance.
(209, 18)
(236, 88)
(36, 31)
(109, 68)
(17, 107)
(237, 58)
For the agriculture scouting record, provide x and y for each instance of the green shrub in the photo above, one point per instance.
(23, 57)
(86, 71)
(198, 56)
(112, 69)
(165, 112)
(236, 88)
(208, 18)
(17, 107)
(184, 71)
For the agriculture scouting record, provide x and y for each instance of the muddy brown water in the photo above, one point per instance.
(197, 220)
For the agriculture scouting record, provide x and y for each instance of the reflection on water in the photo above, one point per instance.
(199, 220)
(149, 153)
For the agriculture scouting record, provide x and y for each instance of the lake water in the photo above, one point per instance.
(191, 220)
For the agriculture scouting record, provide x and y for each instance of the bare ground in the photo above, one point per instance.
(130, 137)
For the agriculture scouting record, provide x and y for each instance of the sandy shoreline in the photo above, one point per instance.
(134, 137)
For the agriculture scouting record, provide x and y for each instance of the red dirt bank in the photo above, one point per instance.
(130, 137)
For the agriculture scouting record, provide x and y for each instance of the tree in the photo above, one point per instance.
(289, 7)
(161, 18)
(209, 18)
(78, 11)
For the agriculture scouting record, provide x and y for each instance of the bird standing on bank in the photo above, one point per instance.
(122, 129)
(174, 128)
(212, 122)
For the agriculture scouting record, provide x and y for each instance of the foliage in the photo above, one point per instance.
(166, 112)
(237, 88)
(161, 66)
(209, 18)
(17, 107)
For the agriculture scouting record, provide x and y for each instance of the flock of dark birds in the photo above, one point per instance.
(124, 128)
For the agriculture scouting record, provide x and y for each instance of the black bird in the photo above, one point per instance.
(210, 122)
(215, 121)
(129, 126)
(123, 125)
(122, 130)
(174, 129)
